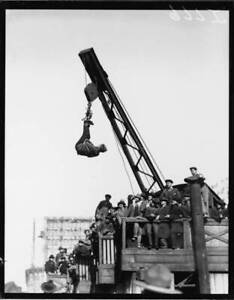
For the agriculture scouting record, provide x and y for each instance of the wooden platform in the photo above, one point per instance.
(177, 260)
(134, 259)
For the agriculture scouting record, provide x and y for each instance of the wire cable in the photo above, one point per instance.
(137, 131)
(142, 165)
(117, 142)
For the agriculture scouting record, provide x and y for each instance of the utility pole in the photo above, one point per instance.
(198, 234)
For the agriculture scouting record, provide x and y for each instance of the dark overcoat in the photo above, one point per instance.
(164, 228)
(176, 214)
(170, 194)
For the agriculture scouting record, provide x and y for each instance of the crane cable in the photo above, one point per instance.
(128, 140)
(137, 131)
(117, 142)
(141, 164)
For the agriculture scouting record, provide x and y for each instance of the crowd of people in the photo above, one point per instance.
(157, 222)
(159, 217)
(65, 263)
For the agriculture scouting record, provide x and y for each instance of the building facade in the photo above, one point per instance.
(64, 232)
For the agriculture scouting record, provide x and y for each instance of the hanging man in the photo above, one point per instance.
(84, 146)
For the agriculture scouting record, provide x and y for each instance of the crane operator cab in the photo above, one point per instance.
(84, 146)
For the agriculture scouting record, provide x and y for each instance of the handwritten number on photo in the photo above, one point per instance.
(174, 15)
(195, 15)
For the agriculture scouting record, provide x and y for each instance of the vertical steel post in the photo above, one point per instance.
(198, 235)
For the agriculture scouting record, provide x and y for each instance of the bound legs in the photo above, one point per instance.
(86, 133)
(84, 146)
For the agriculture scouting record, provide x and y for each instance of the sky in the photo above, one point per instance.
(172, 76)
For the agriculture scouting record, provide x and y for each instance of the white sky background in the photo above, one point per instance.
(171, 76)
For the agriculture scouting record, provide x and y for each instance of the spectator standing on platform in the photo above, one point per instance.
(129, 199)
(216, 212)
(146, 200)
(121, 211)
(107, 227)
(152, 214)
(185, 204)
(103, 207)
(204, 192)
(170, 193)
(50, 265)
(164, 228)
(135, 211)
(176, 215)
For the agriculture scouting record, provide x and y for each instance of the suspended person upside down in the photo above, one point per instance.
(84, 146)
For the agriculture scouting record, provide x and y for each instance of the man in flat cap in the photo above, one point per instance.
(121, 211)
(164, 231)
(157, 279)
(50, 265)
(103, 207)
(170, 193)
(204, 191)
(50, 287)
(59, 255)
(135, 211)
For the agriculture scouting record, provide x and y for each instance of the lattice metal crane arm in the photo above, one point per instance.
(131, 144)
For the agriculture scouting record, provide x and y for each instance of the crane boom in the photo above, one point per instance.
(143, 169)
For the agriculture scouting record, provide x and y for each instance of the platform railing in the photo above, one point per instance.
(106, 249)
(83, 271)
(216, 232)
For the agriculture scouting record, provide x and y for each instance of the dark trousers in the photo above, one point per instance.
(177, 240)
(85, 135)
(177, 237)
(75, 285)
(152, 227)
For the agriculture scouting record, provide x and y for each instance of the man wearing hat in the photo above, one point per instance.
(151, 213)
(135, 211)
(164, 232)
(204, 191)
(177, 214)
(170, 193)
(63, 266)
(49, 287)
(107, 227)
(50, 265)
(59, 255)
(157, 279)
(103, 207)
(121, 211)
(129, 200)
